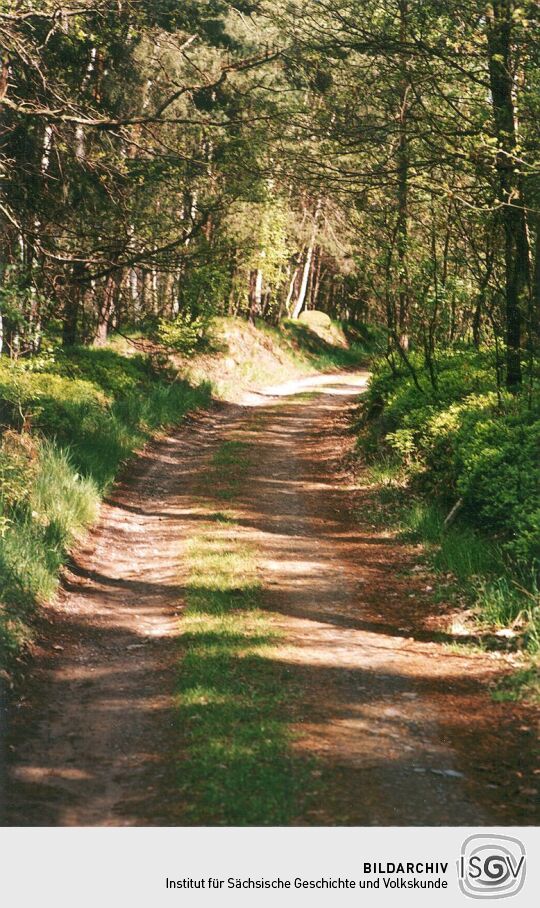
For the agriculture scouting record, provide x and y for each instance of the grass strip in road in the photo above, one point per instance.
(228, 467)
(234, 694)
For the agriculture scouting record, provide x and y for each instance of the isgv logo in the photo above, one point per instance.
(491, 866)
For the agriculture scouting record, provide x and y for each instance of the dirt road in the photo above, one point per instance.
(402, 727)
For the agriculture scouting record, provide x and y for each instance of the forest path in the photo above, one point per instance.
(402, 728)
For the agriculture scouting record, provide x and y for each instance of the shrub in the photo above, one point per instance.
(105, 369)
(185, 334)
(463, 440)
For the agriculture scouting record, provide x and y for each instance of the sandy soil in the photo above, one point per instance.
(404, 729)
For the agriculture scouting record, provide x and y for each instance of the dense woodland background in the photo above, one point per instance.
(378, 160)
(164, 163)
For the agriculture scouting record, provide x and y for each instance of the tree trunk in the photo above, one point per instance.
(477, 320)
(290, 291)
(299, 304)
(535, 305)
(74, 294)
(106, 311)
(315, 278)
(255, 293)
(71, 318)
(403, 187)
(155, 295)
(145, 291)
(134, 286)
(516, 241)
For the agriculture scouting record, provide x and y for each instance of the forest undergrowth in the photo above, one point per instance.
(456, 469)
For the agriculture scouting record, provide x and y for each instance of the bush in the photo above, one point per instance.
(184, 334)
(462, 440)
(113, 373)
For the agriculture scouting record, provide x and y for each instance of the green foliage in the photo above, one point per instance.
(184, 334)
(114, 374)
(463, 440)
(521, 685)
(18, 299)
(85, 427)
(18, 459)
(203, 292)
(259, 233)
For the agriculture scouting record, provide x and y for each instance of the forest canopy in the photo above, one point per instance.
(377, 159)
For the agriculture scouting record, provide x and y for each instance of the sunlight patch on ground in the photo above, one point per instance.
(292, 567)
(39, 773)
(348, 383)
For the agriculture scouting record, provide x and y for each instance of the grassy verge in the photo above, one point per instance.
(68, 426)
(462, 441)
(234, 696)
(453, 440)
(522, 685)
(37, 532)
(498, 601)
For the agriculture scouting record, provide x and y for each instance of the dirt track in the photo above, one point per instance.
(403, 728)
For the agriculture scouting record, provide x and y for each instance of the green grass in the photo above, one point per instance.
(87, 412)
(102, 445)
(234, 695)
(37, 533)
(472, 569)
(504, 602)
(386, 472)
(227, 468)
(322, 354)
(458, 549)
(521, 685)
(501, 597)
